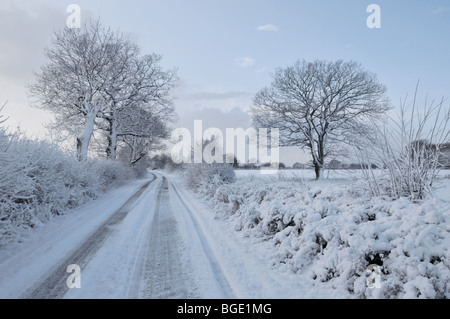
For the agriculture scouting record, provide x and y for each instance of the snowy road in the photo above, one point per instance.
(55, 284)
(151, 239)
(160, 272)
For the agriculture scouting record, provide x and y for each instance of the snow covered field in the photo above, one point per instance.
(344, 176)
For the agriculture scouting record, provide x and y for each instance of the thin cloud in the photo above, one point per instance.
(24, 34)
(204, 95)
(245, 62)
(441, 9)
(268, 27)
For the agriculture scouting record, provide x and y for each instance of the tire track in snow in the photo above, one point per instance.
(54, 286)
(208, 252)
(160, 272)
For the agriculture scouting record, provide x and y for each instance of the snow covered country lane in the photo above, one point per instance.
(148, 239)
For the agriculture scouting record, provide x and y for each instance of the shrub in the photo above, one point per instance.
(329, 236)
(38, 181)
(111, 173)
(409, 151)
(206, 178)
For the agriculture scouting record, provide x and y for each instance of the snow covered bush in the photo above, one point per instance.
(111, 173)
(38, 181)
(408, 152)
(331, 235)
(206, 178)
(140, 168)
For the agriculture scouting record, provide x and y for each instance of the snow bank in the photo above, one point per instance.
(329, 234)
(38, 181)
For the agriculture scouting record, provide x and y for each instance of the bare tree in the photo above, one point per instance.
(139, 97)
(317, 104)
(140, 132)
(96, 79)
(70, 84)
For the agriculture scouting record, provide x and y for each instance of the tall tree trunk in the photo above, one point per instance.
(318, 158)
(84, 137)
(318, 169)
(133, 150)
(112, 139)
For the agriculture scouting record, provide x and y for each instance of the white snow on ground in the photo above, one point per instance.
(109, 274)
(25, 263)
(261, 237)
(214, 260)
(328, 232)
(245, 266)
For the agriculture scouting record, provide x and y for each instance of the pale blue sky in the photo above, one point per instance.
(222, 56)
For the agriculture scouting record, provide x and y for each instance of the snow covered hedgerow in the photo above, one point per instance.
(331, 235)
(111, 173)
(38, 181)
(206, 178)
(140, 168)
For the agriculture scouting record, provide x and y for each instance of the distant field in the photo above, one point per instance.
(328, 174)
(304, 173)
(343, 176)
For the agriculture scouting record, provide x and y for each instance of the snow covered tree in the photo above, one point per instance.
(80, 65)
(318, 104)
(139, 103)
(141, 131)
(334, 164)
(298, 165)
(97, 79)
